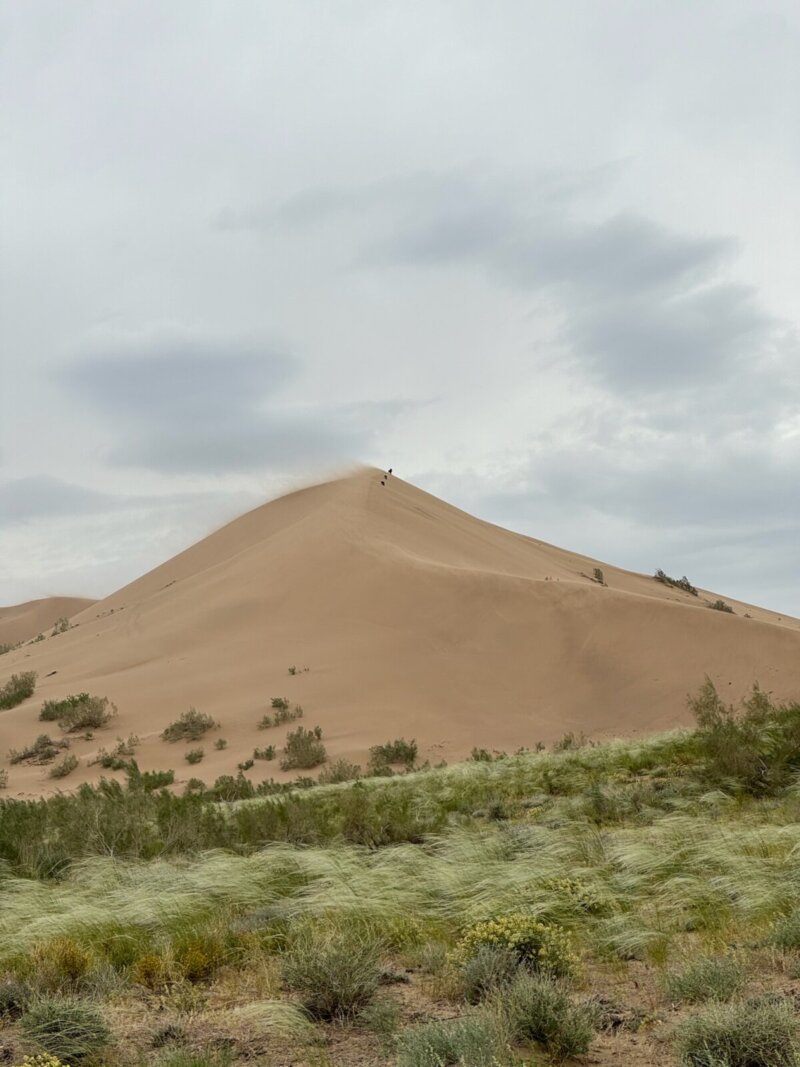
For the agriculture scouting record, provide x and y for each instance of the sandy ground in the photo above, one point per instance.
(23, 622)
(413, 618)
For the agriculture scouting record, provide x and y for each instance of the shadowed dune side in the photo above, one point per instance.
(414, 619)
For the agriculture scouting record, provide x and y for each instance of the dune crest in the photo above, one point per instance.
(414, 619)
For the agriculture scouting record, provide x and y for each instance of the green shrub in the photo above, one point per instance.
(198, 957)
(53, 710)
(538, 946)
(78, 712)
(191, 726)
(115, 759)
(147, 781)
(534, 1007)
(64, 766)
(267, 753)
(481, 755)
(14, 998)
(336, 973)
(18, 688)
(70, 1029)
(3, 778)
(491, 966)
(6, 648)
(678, 583)
(283, 714)
(720, 605)
(786, 932)
(194, 755)
(60, 964)
(43, 750)
(304, 749)
(280, 703)
(60, 626)
(226, 787)
(597, 574)
(739, 1035)
(382, 1017)
(341, 770)
(220, 743)
(245, 765)
(473, 1041)
(704, 979)
(397, 751)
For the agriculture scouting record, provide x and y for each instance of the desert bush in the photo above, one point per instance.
(53, 710)
(198, 957)
(191, 726)
(60, 964)
(481, 755)
(43, 750)
(194, 755)
(473, 1041)
(598, 576)
(115, 759)
(147, 781)
(60, 626)
(341, 770)
(720, 605)
(740, 1035)
(381, 1017)
(267, 753)
(678, 583)
(537, 946)
(785, 933)
(14, 998)
(64, 766)
(245, 765)
(226, 787)
(220, 743)
(65, 1027)
(304, 749)
(18, 688)
(152, 970)
(491, 966)
(81, 712)
(280, 703)
(335, 972)
(5, 647)
(704, 979)
(391, 752)
(534, 1007)
(3, 778)
(282, 714)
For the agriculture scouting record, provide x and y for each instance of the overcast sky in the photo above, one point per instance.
(541, 257)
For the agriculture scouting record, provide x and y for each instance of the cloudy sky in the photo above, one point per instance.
(541, 257)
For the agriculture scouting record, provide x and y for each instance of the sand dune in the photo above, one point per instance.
(414, 619)
(23, 622)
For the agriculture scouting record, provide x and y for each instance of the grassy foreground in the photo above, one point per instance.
(638, 902)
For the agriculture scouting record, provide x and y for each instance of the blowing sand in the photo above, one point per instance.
(414, 619)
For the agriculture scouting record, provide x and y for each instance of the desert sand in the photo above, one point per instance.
(23, 622)
(413, 618)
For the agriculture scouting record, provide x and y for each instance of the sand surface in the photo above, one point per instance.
(23, 622)
(413, 618)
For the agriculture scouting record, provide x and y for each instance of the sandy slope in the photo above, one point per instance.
(23, 622)
(414, 618)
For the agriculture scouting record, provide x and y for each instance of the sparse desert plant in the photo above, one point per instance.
(53, 710)
(280, 703)
(267, 753)
(341, 770)
(64, 766)
(3, 778)
(481, 755)
(245, 765)
(597, 574)
(491, 967)
(785, 933)
(147, 781)
(472, 1041)
(60, 964)
(88, 712)
(720, 605)
(393, 752)
(194, 755)
(678, 583)
(4, 647)
(43, 750)
(152, 970)
(220, 743)
(60, 626)
(198, 957)
(709, 978)
(304, 749)
(115, 760)
(534, 1007)
(226, 787)
(335, 972)
(190, 726)
(18, 688)
(740, 1035)
(65, 1027)
(282, 714)
(538, 946)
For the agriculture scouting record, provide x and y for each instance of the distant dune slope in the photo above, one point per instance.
(22, 622)
(414, 619)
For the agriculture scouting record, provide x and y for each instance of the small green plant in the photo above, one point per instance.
(473, 1041)
(740, 1035)
(6, 648)
(280, 703)
(393, 752)
(191, 726)
(60, 626)
(53, 710)
(267, 753)
(491, 967)
(245, 765)
(335, 972)
(220, 743)
(538, 946)
(720, 605)
(64, 766)
(65, 1027)
(678, 583)
(704, 979)
(18, 688)
(226, 787)
(116, 760)
(3, 778)
(43, 750)
(80, 712)
(194, 755)
(304, 749)
(147, 781)
(283, 714)
(60, 964)
(341, 770)
(597, 575)
(534, 1007)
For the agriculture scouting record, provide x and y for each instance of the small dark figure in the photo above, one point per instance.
(389, 471)
(383, 482)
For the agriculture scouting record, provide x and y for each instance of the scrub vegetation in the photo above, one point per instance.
(635, 902)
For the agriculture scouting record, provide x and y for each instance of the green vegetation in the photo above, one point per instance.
(282, 714)
(65, 1027)
(678, 583)
(43, 750)
(598, 576)
(194, 755)
(336, 972)
(753, 1034)
(704, 979)
(60, 626)
(304, 749)
(64, 766)
(191, 726)
(393, 752)
(6, 648)
(18, 688)
(220, 743)
(340, 770)
(116, 759)
(720, 605)
(78, 712)
(536, 1008)
(269, 752)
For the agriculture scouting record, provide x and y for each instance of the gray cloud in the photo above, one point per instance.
(184, 405)
(37, 497)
